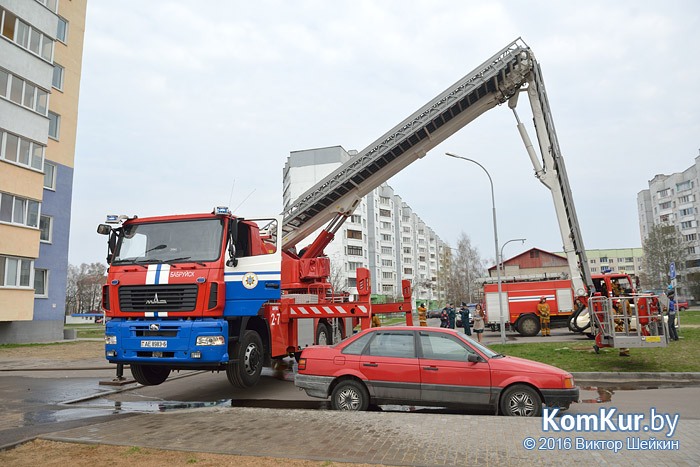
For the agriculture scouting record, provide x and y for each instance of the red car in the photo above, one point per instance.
(682, 304)
(429, 367)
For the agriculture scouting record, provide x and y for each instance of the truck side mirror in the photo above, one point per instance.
(472, 358)
(104, 229)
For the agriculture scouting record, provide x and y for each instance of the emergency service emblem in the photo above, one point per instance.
(250, 280)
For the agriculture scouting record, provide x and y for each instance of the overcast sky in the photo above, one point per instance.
(188, 105)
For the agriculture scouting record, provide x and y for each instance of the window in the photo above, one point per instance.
(387, 275)
(686, 225)
(663, 193)
(62, 31)
(41, 282)
(392, 344)
(357, 234)
(690, 237)
(58, 73)
(386, 225)
(15, 272)
(46, 227)
(421, 241)
(16, 210)
(603, 259)
(406, 239)
(534, 254)
(437, 346)
(49, 176)
(50, 4)
(23, 93)
(352, 266)
(421, 258)
(685, 199)
(387, 288)
(357, 346)
(386, 237)
(387, 250)
(593, 261)
(387, 262)
(686, 212)
(385, 213)
(406, 219)
(354, 250)
(407, 270)
(666, 205)
(407, 250)
(355, 218)
(407, 260)
(384, 200)
(691, 250)
(683, 186)
(352, 282)
(54, 125)
(25, 36)
(594, 269)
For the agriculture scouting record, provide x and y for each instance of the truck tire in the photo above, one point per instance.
(244, 372)
(521, 401)
(149, 375)
(529, 325)
(350, 395)
(323, 334)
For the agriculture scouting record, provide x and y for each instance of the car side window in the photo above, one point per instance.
(439, 346)
(392, 344)
(358, 345)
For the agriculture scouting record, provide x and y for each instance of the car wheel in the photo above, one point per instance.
(323, 334)
(245, 371)
(149, 375)
(529, 326)
(521, 401)
(350, 395)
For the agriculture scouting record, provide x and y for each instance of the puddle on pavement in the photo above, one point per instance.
(604, 394)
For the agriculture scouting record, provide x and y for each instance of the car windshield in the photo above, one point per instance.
(484, 350)
(190, 241)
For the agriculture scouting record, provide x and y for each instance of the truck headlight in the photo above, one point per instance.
(110, 340)
(210, 340)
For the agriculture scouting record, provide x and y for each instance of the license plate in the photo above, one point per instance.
(653, 338)
(154, 344)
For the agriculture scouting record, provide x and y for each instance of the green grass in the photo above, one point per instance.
(13, 346)
(91, 333)
(681, 356)
(691, 316)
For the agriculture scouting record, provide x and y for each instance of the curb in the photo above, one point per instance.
(638, 377)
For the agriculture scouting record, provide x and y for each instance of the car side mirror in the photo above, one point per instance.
(472, 358)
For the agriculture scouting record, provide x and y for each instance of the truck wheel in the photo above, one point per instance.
(149, 375)
(521, 401)
(529, 326)
(350, 395)
(323, 334)
(248, 353)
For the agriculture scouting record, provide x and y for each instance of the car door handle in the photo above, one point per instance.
(370, 364)
(433, 368)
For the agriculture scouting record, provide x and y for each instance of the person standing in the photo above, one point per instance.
(672, 332)
(464, 314)
(422, 315)
(479, 318)
(375, 321)
(544, 312)
(452, 313)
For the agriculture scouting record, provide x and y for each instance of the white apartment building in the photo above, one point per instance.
(673, 199)
(383, 234)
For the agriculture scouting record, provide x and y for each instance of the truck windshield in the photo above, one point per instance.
(186, 241)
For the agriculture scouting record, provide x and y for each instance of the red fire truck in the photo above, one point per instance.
(521, 294)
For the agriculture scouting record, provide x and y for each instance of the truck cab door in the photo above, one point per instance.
(255, 276)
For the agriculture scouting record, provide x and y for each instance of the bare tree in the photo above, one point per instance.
(84, 287)
(663, 246)
(461, 267)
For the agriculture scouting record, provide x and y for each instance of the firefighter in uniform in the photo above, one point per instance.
(617, 307)
(422, 315)
(543, 311)
(375, 321)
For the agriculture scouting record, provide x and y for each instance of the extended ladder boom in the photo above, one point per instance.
(490, 84)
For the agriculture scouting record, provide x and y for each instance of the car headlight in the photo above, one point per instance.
(210, 340)
(569, 382)
(110, 340)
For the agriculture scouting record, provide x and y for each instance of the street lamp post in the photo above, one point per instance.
(495, 240)
(500, 265)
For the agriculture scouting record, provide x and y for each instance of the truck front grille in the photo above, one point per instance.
(166, 298)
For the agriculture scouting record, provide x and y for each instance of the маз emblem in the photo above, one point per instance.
(155, 301)
(250, 280)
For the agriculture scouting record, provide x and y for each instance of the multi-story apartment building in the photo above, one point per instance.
(383, 234)
(41, 47)
(673, 200)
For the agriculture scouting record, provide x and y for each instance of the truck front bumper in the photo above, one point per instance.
(171, 342)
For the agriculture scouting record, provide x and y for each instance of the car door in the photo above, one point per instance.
(390, 366)
(446, 374)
